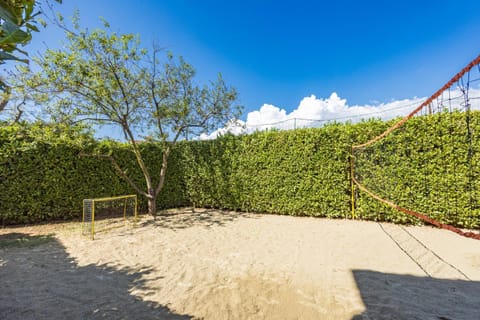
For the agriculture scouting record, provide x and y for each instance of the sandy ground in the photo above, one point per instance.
(223, 265)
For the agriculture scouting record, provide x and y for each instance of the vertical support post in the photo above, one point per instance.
(135, 220)
(352, 184)
(125, 211)
(470, 152)
(93, 219)
(83, 218)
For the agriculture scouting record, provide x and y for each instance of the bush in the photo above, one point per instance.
(423, 166)
(429, 165)
(46, 172)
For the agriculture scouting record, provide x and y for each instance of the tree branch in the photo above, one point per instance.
(152, 91)
(138, 155)
(120, 84)
(18, 116)
(163, 170)
(94, 119)
(118, 169)
(6, 99)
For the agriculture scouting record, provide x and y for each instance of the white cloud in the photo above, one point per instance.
(235, 127)
(267, 111)
(313, 108)
(314, 112)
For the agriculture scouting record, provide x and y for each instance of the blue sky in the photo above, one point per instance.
(279, 52)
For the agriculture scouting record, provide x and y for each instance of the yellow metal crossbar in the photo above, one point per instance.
(89, 210)
(113, 198)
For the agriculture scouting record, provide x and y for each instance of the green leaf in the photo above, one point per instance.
(8, 56)
(32, 27)
(7, 14)
(13, 34)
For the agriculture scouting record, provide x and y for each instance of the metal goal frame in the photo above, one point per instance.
(88, 215)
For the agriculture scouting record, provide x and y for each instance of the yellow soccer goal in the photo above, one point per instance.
(102, 214)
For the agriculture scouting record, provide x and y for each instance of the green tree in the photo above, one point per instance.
(18, 19)
(16, 27)
(106, 78)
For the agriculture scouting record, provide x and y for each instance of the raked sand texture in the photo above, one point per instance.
(210, 264)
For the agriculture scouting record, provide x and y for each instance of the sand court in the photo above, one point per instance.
(211, 264)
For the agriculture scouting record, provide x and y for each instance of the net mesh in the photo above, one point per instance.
(428, 163)
(103, 214)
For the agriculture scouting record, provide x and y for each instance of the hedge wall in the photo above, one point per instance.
(429, 165)
(44, 175)
(301, 172)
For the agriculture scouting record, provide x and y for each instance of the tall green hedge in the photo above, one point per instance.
(430, 165)
(44, 176)
(45, 173)
(300, 172)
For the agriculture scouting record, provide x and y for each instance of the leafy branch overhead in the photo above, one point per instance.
(18, 21)
(104, 77)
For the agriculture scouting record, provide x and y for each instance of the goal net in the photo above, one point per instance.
(427, 165)
(102, 214)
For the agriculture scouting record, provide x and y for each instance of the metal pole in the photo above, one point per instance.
(125, 211)
(136, 204)
(93, 219)
(83, 218)
(352, 184)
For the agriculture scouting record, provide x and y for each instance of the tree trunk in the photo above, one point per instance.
(152, 204)
(163, 171)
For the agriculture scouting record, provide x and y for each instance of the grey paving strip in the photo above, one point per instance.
(430, 262)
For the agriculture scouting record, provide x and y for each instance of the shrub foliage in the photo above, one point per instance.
(429, 165)
(46, 172)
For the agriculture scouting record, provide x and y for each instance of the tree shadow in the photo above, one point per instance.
(187, 218)
(39, 280)
(394, 296)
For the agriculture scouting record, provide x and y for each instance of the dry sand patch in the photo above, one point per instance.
(225, 265)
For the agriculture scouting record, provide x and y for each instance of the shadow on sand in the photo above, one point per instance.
(39, 280)
(187, 218)
(394, 296)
